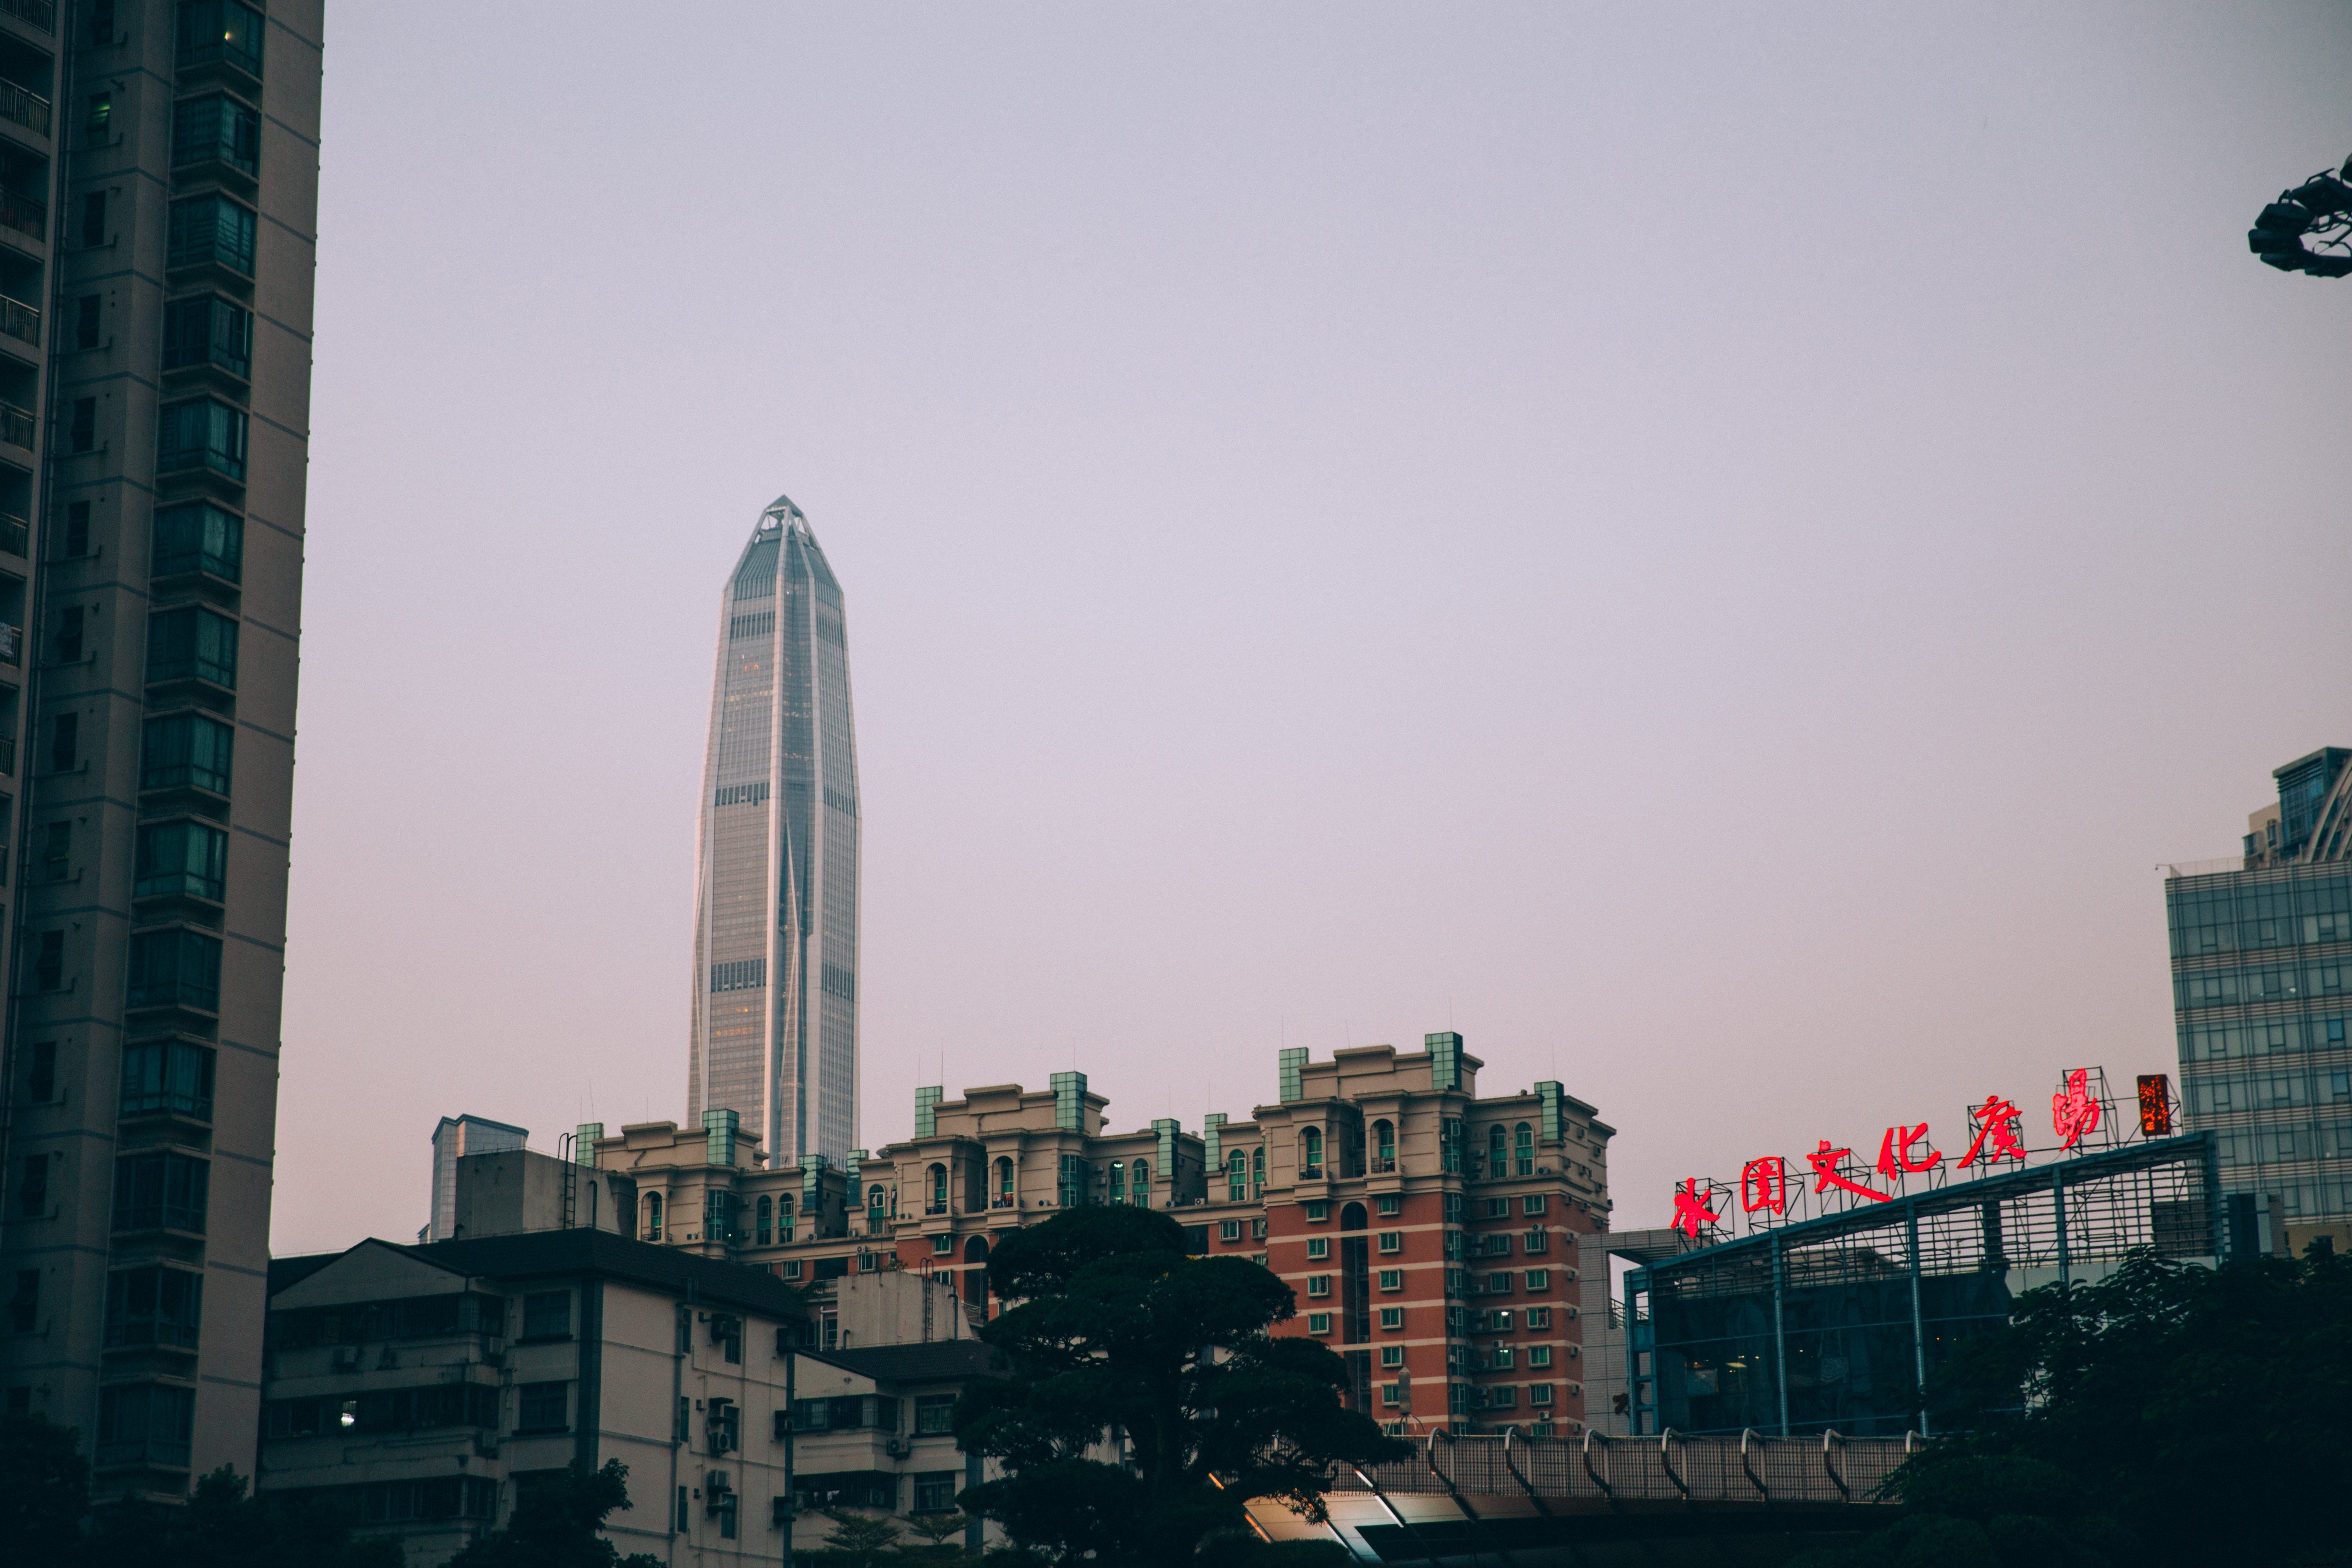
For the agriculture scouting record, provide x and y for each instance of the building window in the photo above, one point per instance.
(938, 1199)
(653, 1226)
(162, 1191)
(1003, 1186)
(1392, 1355)
(765, 1220)
(1502, 1398)
(1391, 1241)
(934, 1490)
(154, 1307)
(934, 1414)
(169, 1076)
(1257, 1230)
(1383, 1145)
(41, 1073)
(202, 433)
(191, 642)
(1116, 1192)
(1452, 1208)
(81, 435)
(199, 537)
(86, 321)
(545, 1407)
(1237, 1178)
(791, 1269)
(56, 855)
(1257, 1167)
(1229, 1230)
(1538, 1279)
(942, 1243)
(1499, 1283)
(1389, 1204)
(1317, 1212)
(25, 1304)
(1538, 1355)
(1498, 1208)
(1532, 1203)
(1319, 1247)
(210, 231)
(1540, 1317)
(1500, 1321)
(220, 32)
(1319, 1322)
(1310, 1154)
(1538, 1241)
(1391, 1279)
(547, 1315)
(1523, 1149)
(1389, 1396)
(144, 1422)
(176, 858)
(1540, 1393)
(1318, 1284)
(33, 1187)
(185, 751)
(216, 129)
(1143, 1189)
(175, 968)
(49, 966)
(1392, 1317)
(77, 528)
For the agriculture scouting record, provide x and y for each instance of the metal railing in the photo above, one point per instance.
(41, 13)
(20, 321)
(26, 106)
(26, 214)
(1750, 1468)
(16, 425)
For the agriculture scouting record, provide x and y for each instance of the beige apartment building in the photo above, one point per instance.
(159, 165)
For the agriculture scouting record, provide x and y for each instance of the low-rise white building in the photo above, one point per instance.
(427, 1385)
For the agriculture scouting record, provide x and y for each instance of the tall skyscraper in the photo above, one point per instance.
(159, 175)
(775, 936)
(2261, 982)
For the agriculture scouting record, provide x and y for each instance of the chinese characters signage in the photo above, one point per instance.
(1832, 1177)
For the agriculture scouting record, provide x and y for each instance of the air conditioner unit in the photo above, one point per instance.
(896, 1448)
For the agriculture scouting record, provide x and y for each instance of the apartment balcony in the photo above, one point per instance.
(24, 214)
(22, 106)
(38, 14)
(17, 426)
(223, 39)
(20, 321)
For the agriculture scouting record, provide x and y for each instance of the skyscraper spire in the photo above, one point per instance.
(775, 940)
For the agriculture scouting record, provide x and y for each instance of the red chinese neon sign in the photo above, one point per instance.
(1764, 1185)
(1691, 1213)
(2072, 1111)
(1996, 1123)
(1894, 1159)
(1825, 1162)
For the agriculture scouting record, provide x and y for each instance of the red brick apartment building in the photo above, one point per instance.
(1431, 1234)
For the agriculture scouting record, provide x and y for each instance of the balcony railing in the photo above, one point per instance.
(20, 321)
(26, 106)
(15, 425)
(40, 13)
(8, 756)
(12, 640)
(1383, 1166)
(26, 214)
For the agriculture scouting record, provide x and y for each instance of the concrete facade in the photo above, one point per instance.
(162, 469)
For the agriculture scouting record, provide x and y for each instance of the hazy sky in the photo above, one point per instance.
(1711, 549)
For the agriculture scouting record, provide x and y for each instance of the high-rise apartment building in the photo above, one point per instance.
(775, 938)
(2262, 984)
(159, 167)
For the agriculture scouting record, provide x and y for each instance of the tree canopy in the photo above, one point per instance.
(557, 1523)
(1114, 1330)
(2166, 1414)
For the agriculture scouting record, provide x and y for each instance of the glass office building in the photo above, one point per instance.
(2262, 985)
(775, 942)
